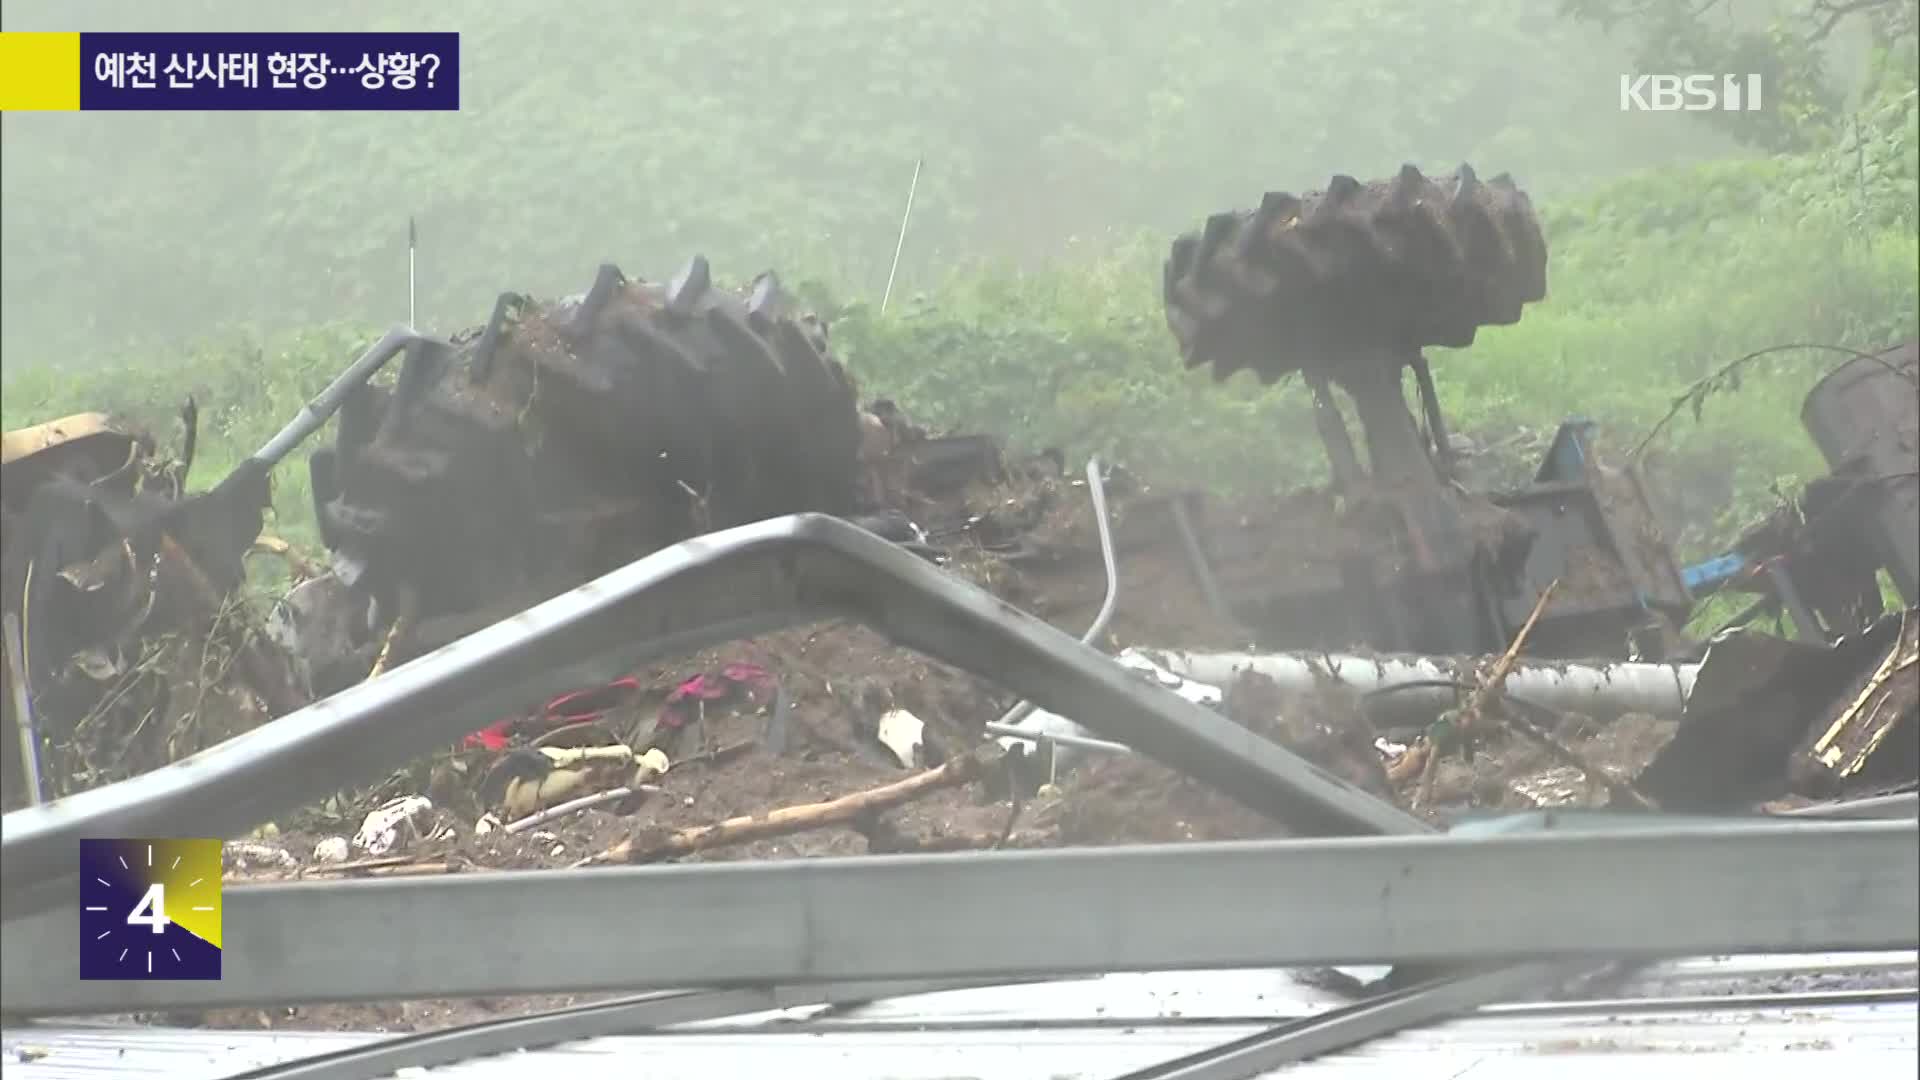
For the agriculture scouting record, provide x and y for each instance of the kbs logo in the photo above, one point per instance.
(1689, 93)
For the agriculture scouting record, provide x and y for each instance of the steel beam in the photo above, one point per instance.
(576, 1023)
(323, 405)
(1905, 804)
(726, 585)
(1339, 1029)
(1746, 887)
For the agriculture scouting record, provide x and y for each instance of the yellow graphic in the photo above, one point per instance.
(191, 876)
(39, 72)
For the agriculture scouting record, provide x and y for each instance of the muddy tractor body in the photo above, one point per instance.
(560, 440)
(1345, 287)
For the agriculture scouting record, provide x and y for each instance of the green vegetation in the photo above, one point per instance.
(1063, 151)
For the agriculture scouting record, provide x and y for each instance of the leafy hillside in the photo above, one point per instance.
(764, 135)
(1064, 149)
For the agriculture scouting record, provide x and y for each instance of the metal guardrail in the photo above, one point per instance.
(1470, 900)
(726, 585)
(1399, 895)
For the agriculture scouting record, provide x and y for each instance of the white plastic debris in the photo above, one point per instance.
(1067, 739)
(331, 850)
(486, 824)
(653, 762)
(904, 734)
(245, 853)
(382, 831)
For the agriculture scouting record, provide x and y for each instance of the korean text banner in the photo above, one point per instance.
(232, 71)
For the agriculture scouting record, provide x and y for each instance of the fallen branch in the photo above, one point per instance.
(1495, 679)
(425, 869)
(401, 624)
(787, 820)
(381, 862)
(584, 802)
(1491, 682)
(385, 866)
(1727, 377)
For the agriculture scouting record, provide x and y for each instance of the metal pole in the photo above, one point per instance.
(1097, 489)
(412, 241)
(1338, 1029)
(1046, 731)
(23, 710)
(1039, 733)
(901, 243)
(315, 412)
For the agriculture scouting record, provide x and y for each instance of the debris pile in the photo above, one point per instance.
(485, 479)
(128, 646)
(828, 740)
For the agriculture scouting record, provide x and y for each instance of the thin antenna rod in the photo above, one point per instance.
(412, 240)
(902, 242)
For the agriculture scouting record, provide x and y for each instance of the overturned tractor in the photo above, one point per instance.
(561, 440)
(1345, 287)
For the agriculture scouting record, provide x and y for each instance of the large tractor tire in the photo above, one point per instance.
(1306, 281)
(562, 440)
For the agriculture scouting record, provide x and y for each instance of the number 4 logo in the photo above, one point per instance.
(151, 910)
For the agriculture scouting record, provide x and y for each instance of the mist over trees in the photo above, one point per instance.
(245, 257)
(770, 135)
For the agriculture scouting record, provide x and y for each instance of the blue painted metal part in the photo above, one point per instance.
(1714, 572)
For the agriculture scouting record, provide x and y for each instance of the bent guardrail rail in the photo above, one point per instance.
(726, 585)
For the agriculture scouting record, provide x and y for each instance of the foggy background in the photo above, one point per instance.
(764, 136)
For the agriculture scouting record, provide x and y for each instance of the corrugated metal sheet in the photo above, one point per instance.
(1099, 1028)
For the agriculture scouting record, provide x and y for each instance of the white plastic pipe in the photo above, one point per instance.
(1600, 690)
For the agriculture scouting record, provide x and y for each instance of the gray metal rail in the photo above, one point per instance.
(727, 585)
(1441, 900)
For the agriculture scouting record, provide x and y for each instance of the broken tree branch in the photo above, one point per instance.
(1467, 717)
(1727, 377)
(652, 847)
(1495, 679)
(270, 680)
(584, 802)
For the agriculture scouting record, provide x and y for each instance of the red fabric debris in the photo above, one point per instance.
(572, 707)
(752, 680)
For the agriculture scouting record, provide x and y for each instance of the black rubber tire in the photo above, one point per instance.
(1306, 280)
(565, 439)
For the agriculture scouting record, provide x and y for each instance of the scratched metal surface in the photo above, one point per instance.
(1100, 1028)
